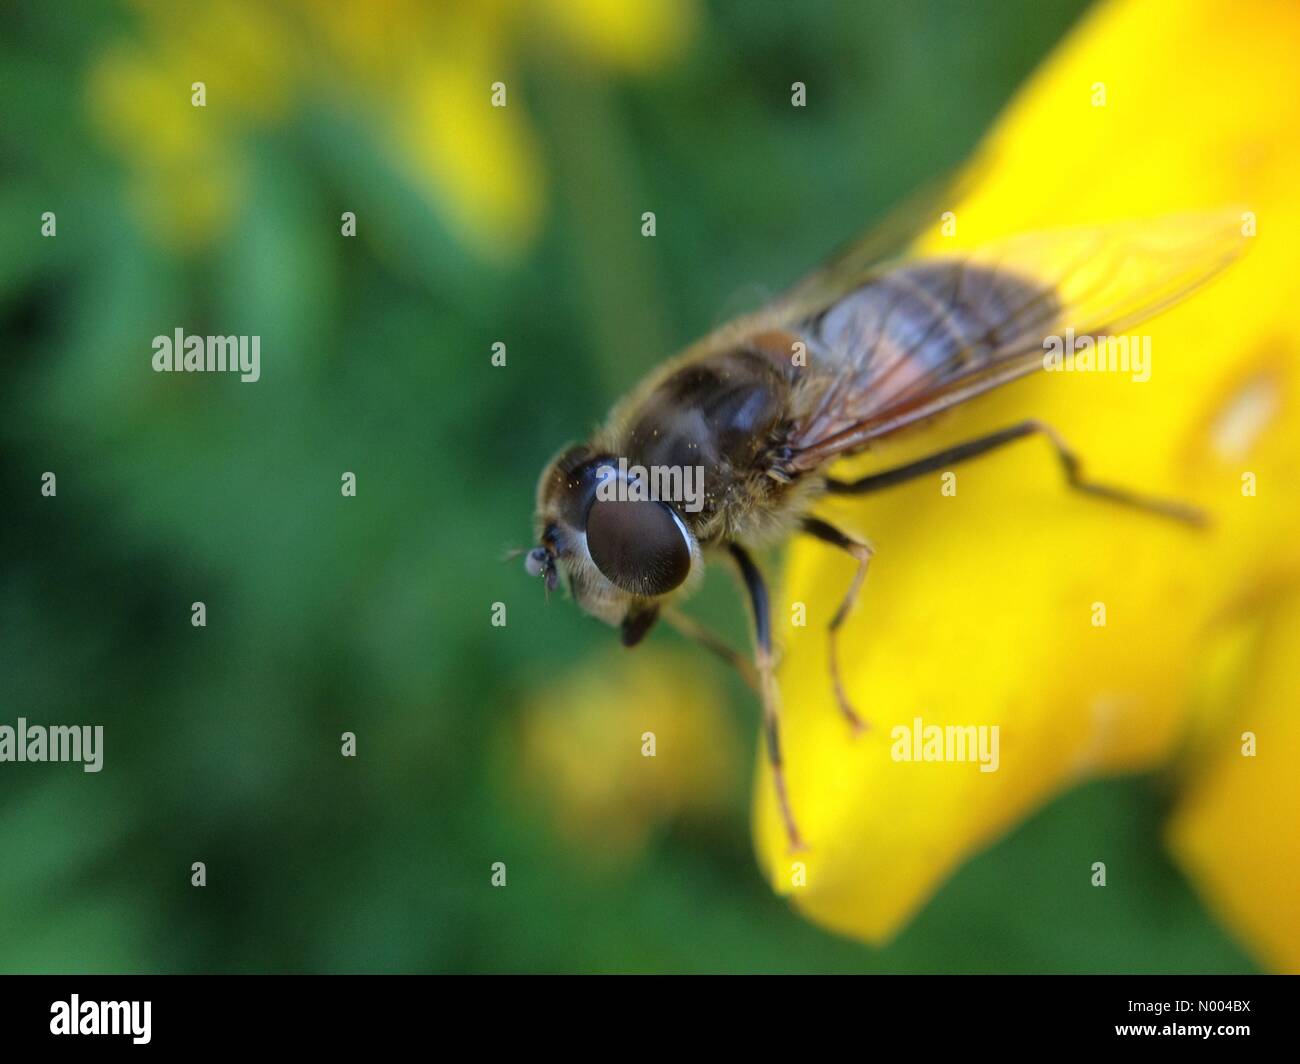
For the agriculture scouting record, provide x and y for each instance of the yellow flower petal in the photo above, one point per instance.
(979, 608)
(1237, 829)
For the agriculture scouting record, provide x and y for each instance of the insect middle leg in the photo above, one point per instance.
(984, 444)
(756, 588)
(863, 552)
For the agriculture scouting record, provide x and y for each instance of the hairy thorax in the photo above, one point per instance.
(729, 416)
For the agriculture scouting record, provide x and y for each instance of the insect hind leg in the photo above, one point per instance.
(982, 445)
(863, 552)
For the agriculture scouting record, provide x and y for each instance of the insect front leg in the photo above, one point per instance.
(982, 445)
(863, 552)
(692, 629)
(759, 606)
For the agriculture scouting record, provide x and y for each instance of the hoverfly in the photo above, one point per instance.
(858, 351)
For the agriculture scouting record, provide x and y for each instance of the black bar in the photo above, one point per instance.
(866, 1014)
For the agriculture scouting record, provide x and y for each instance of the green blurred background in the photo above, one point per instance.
(372, 615)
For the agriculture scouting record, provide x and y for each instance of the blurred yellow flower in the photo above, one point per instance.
(622, 746)
(636, 36)
(981, 607)
(421, 73)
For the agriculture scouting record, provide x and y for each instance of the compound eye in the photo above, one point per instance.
(641, 546)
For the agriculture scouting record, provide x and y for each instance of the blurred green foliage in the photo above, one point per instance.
(371, 615)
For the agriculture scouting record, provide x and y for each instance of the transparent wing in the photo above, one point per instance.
(846, 268)
(912, 341)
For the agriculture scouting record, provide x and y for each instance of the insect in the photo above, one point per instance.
(858, 351)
